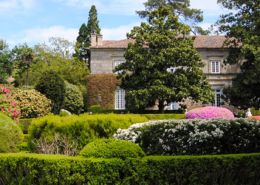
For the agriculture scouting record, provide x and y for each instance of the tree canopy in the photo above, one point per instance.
(84, 38)
(243, 39)
(181, 9)
(158, 47)
(6, 66)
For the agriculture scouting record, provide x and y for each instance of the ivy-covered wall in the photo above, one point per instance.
(105, 85)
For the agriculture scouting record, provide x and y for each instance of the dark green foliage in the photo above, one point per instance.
(242, 30)
(110, 148)
(84, 38)
(24, 124)
(82, 129)
(6, 65)
(150, 79)
(10, 134)
(181, 8)
(26, 169)
(53, 87)
(73, 101)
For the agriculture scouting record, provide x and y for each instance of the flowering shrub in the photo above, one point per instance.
(257, 118)
(32, 103)
(210, 113)
(194, 137)
(7, 105)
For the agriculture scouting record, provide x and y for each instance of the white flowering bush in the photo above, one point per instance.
(194, 137)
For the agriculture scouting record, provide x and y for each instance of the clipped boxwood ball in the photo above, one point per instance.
(209, 113)
(110, 148)
(11, 134)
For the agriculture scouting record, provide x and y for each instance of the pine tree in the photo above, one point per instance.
(181, 9)
(84, 38)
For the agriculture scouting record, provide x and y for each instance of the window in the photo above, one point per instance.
(171, 69)
(215, 66)
(172, 106)
(217, 101)
(120, 99)
(117, 63)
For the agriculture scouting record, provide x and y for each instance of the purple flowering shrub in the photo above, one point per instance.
(210, 113)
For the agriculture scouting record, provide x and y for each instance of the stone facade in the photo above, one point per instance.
(106, 54)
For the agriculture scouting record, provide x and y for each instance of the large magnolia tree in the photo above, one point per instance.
(159, 45)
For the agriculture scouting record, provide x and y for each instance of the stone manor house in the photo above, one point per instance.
(106, 55)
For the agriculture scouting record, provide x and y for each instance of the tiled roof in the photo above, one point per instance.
(201, 41)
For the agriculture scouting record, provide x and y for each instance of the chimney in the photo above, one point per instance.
(99, 39)
(93, 39)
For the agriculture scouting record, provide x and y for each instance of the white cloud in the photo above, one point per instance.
(11, 7)
(117, 7)
(40, 35)
(117, 33)
(209, 7)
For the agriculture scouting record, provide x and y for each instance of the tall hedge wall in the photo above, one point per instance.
(105, 85)
(57, 169)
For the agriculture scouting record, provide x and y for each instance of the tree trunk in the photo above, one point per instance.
(161, 106)
(27, 77)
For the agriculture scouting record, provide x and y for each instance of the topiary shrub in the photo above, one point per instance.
(9, 106)
(209, 113)
(64, 113)
(73, 101)
(53, 86)
(11, 134)
(32, 103)
(110, 148)
(95, 107)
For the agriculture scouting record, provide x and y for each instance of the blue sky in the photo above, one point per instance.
(34, 21)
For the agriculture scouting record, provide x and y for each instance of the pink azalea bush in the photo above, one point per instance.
(210, 113)
(7, 105)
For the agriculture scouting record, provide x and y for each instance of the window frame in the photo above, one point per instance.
(118, 62)
(218, 98)
(215, 66)
(120, 99)
(172, 106)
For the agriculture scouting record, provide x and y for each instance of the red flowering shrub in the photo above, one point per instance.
(257, 118)
(7, 105)
(209, 113)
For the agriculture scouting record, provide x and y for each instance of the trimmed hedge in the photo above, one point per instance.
(164, 170)
(110, 148)
(164, 116)
(82, 129)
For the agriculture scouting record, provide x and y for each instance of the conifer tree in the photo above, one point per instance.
(84, 38)
(181, 9)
